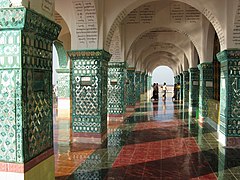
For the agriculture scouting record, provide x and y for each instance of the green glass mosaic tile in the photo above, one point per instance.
(230, 94)
(193, 87)
(181, 83)
(145, 82)
(25, 84)
(130, 97)
(205, 87)
(89, 73)
(5, 3)
(142, 76)
(138, 85)
(63, 83)
(116, 88)
(186, 86)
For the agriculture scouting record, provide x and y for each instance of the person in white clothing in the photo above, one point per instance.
(164, 88)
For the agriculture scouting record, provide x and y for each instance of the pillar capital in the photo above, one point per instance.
(205, 65)
(96, 54)
(193, 69)
(116, 89)
(229, 55)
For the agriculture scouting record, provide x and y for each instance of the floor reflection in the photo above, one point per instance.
(159, 141)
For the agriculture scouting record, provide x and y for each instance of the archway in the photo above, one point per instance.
(163, 74)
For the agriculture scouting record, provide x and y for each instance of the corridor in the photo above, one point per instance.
(158, 141)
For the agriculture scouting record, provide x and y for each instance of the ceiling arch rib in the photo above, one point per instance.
(159, 46)
(210, 9)
(166, 39)
(174, 52)
(160, 55)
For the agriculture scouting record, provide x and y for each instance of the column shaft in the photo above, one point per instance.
(131, 95)
(138, 86)
(193, 90)
(116, 88)
(89, 71)
(26, 93)
(186, 87)
(205, 88)
(229, 133)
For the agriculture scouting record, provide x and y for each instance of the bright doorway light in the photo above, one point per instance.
(163, 74)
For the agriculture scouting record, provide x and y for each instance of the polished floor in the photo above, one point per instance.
(160, 140)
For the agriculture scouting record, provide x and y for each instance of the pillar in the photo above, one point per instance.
(138, 86)
(175, 79)
(63, 83)
(145, 83)
(89, 72)
(149, 82)
(228, 129)
(26, 114)
(130, 96)
(186, 88)
(142, 82)
(193, 90)
(116, 89)
(205, 88)
(63, 92)
(181, 83)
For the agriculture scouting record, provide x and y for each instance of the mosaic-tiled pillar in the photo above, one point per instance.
(149, 82)
(138, 86)
(131, 95)
(193, 90)
(181, 83)
(185, 87)
(175, 79)
(26, 114)
(142, 82)
(116, 88)
(145, 83)
(63, 81)
(178, 78)
(89, 75)
(63, 91)
(229, 130)
(205, 88)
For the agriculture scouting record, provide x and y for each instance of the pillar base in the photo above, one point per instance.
(229, 142)
(90, 138)
(41, 167)
(115, 117)
(201, 120)
(64, 107)
(130, 108)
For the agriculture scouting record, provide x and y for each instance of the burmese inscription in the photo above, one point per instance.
(142, 15)
(86, 24)
(183, 13)
(48, 5)
(236, 30)
(115, 47)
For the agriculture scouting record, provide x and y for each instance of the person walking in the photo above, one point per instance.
(164, 88)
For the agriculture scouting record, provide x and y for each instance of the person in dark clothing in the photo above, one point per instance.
(174, 92)
(155, 91)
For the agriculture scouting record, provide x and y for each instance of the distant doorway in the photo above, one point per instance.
(163, 74)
